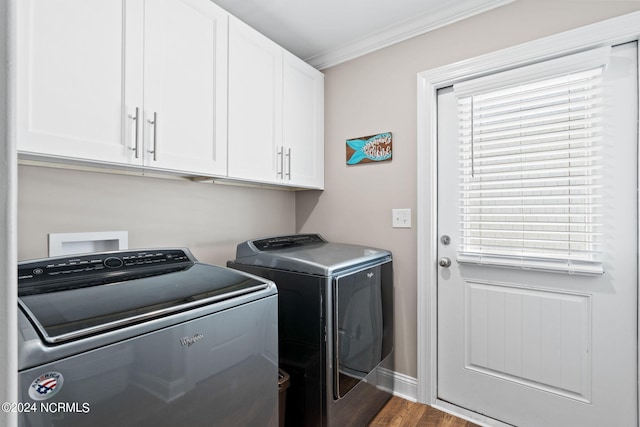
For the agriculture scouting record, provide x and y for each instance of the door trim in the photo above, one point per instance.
(9, 215)
(610, 32)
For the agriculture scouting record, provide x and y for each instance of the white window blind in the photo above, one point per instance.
(530, 167)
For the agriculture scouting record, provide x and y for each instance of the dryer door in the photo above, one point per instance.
(363, 324)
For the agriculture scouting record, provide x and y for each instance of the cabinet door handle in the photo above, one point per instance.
(288, 174)
(135, 119)
(280, 154)
(154, 123)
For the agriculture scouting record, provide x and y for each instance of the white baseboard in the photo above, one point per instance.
(406, 387)
(400, 385)
(467, 415)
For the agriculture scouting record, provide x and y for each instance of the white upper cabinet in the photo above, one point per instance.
(71, 79)
(255, 100)
(128, 82)
(303, 123)
(275, 113)
(171, 85)
(185, 86)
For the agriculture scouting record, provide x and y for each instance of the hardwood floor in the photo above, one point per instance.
(403, 413)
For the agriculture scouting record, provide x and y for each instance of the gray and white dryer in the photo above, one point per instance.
(335, 324)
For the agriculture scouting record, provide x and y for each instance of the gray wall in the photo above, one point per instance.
(210, 219)
(377, 93)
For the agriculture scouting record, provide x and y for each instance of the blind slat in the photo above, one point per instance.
(576, 154)
(566, 135)
(519, 120)
(539, 224)
(516, 183)
(528, 190)
(483, 133)
(531, 217)
(533, 173)
(528, 147)
(583, 100)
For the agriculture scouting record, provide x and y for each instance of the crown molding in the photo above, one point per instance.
(421, 24)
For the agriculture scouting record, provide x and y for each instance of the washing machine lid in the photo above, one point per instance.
(307, 253)
(72, 297)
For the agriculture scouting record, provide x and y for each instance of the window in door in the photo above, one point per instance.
(529, 166)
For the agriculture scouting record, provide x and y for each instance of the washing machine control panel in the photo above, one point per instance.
(89, 267)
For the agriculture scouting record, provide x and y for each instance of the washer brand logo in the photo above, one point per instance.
(46, 386)
(369, 275)
(189, 341)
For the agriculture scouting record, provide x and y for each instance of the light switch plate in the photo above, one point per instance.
(401, 218)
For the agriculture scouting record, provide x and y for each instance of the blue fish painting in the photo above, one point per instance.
(374, 148)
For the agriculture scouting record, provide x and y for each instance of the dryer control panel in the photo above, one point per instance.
(282, 242)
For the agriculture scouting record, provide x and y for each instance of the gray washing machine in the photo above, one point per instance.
(147, 338)
(335, 325)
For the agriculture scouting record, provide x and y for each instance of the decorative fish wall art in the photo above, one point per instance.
(369, 149)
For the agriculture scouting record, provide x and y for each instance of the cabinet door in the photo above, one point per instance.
(303, 123)
(70, 79)
(255, 105)
(185, 86)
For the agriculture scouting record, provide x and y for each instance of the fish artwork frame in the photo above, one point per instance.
(370, 149)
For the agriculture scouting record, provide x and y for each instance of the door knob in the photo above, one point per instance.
(444, 262)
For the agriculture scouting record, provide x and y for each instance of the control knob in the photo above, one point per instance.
(113, 262)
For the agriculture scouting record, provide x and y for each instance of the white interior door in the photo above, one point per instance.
(540, 348)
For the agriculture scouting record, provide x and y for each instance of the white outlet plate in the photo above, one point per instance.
(401, 218)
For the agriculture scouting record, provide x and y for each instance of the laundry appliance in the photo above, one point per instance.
(335, 325)
(145, 338)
